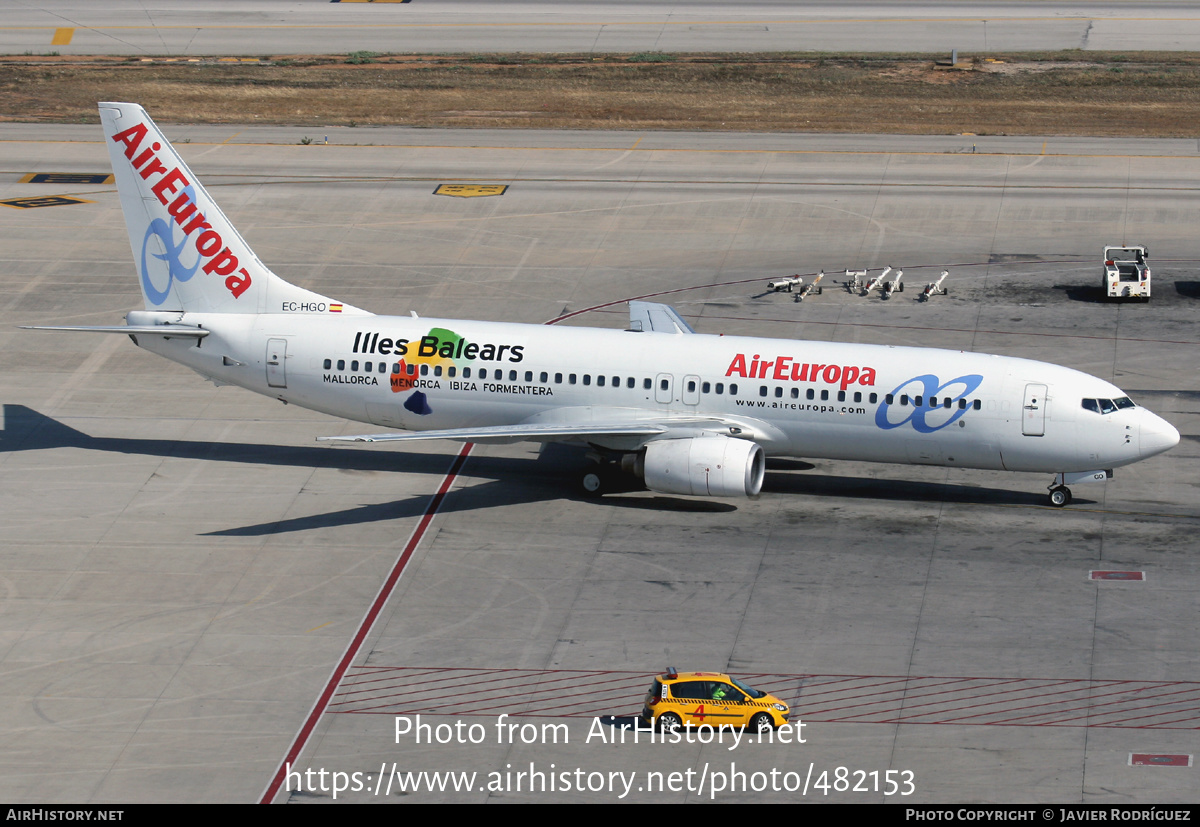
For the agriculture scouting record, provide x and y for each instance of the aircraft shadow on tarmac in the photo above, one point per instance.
(551, 475)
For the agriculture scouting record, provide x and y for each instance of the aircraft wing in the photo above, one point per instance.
(659, 318)
(544, 431)
(513, 433)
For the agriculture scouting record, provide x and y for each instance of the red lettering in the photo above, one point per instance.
(196, 223)
(208, 243)
(867, 377)
(132, 138)
(146, 154)
(223, 263)
(799, 373)
(151, 168)
(238, 286)
(762, 369)
(181, 208)
(738, 366)
(832, 372)
(781, 365)
(815, 372)
(169, 183)
(849, 374)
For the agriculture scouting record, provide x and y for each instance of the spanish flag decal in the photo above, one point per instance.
(335, 308)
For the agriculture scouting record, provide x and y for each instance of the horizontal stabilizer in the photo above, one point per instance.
(180, 331)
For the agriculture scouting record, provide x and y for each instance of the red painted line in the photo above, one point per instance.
(385, 591)
(890, 700)
(808, 695)
(1009, 692)
(1090, 707)
(423, 688)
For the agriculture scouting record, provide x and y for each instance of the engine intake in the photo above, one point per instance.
(715, 466)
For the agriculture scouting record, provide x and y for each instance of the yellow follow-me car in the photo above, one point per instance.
(679, 698)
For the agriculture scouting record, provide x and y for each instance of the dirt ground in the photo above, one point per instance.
(1069, 93)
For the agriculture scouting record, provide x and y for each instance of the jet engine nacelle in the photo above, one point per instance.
(715, 466)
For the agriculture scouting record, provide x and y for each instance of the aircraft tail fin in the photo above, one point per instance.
(189, 256)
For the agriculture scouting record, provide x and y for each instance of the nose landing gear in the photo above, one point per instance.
(1060, 495)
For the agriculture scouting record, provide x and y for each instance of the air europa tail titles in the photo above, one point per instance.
(689, 413)
(183, 210)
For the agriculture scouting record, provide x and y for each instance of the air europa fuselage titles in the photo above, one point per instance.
(373, 343)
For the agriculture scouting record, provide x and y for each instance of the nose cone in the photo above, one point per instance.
(1157, 435)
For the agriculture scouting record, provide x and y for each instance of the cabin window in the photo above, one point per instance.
(630, 382)
(664, 384)
(616, 381)
(947, 403)
(543, 377)
(978, 404)
(691, 386)
(810, 394)
(720, 387)
(512, 376)
(888, 399)
(369, 367)
(424, 370)
(587, 379)
(572, 379)
(451, 371)
(411, 370)
(795, 393)
(917, 401)
(558, 378)
(437, 371)
(778, 392)
(858, 396)
(705, 387)
(600, 380)
(354, 365)
(733, 390)
(824, 396)
(962, 404)
(841, 396)
(873, 398)
(903, 399)
(529, 376)
(647, 384)
(762, 390)
(328, 364)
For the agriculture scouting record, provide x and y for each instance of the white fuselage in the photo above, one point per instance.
(794, 398)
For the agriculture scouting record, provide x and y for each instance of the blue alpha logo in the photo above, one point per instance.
(927, 402)
(176, 270)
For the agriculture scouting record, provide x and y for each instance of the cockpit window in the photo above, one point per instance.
(1090, 405)
(1124, 402)
(1107, 406)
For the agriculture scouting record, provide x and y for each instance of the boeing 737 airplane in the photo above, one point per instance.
(688, 413)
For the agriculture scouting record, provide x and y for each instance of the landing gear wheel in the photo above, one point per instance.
(761, 723)
(669, 722)
(593, 483)
(1060, 496)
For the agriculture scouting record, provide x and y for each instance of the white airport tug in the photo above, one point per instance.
(1126, 274)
